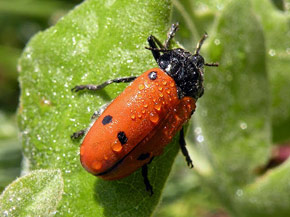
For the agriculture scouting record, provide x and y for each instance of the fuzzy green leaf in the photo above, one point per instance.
(36, 194)
(234, 113)
(268, 196)
(97, 41)
(276, 25)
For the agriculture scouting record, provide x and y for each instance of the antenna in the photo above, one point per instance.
(199, 44)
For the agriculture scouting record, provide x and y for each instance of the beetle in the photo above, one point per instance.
(129, 132)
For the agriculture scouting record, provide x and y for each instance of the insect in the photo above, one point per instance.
(133, 129)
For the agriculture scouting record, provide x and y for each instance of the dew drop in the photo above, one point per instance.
(141, 86)
(160, 88)
(133, 117)
(243, 125)
(200, 138)
(145, 105)
(164, 82)
(198, 130)
(157, 107)
(97, 165)
(117, 147)
(239, 192)
(168, 91)
(272, 52)
(139, 116)
(143, 111)
(154, 118)
(171, 84)
(177, 118)
(161, 95)
(38, 137)
(217, 41)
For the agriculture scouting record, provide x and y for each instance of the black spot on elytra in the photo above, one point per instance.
(143, 156)
(107, 119)
(122, 137)
(152, 75)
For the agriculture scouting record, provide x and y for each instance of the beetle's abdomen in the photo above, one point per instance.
(129, 120)
(154, 143)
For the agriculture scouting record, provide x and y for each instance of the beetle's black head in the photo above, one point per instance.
(186, 69)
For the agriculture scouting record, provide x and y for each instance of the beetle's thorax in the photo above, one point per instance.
(186, 69)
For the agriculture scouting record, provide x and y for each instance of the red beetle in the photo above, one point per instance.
(143, 119)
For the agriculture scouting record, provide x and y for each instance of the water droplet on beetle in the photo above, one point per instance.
(154, 118)
(133, 117)
(141, 86)
(97, 165)
(117, 147)
(157, 107)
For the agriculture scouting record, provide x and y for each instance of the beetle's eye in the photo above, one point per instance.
(163, 64)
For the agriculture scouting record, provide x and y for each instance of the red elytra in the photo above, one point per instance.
(149, 113)
(143, 119)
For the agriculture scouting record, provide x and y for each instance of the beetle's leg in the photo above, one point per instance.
(145, 178)
(81, 133)
(171, 34)
(182, 144)
(78, 134)
(153, 42)
(212, 64)
(101, 86)
(156, 46)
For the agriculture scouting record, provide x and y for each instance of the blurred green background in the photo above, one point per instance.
(21, 19)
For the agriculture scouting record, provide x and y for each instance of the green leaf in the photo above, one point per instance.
(234, 112)
(97, 41)
(233, 117)
(36, 194)
(276, 26)
(268, 196)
